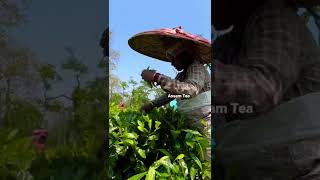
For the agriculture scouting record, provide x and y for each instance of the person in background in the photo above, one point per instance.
(39, 140)
(104, 42)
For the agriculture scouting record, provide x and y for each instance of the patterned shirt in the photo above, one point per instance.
(192, 81)
(274, 59)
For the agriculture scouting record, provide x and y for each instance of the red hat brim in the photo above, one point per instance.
(155, 43)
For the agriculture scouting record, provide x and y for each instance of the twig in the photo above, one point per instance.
(60, 96)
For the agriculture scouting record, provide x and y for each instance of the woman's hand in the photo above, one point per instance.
(147, 107)
(148, 75)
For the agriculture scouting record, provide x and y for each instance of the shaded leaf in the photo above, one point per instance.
(165, 152)
(197, 161)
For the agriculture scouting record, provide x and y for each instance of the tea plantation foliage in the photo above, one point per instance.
(157, 145)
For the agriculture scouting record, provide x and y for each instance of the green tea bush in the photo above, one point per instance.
(158, 145)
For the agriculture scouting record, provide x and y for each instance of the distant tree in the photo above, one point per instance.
(114, 81)
(113, 55)
(12, 13)
(123, 86)
(16, 67)
(114, 85)
(48, 75)
(74, 64)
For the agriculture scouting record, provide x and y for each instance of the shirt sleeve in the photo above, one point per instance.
(192, 83)
(268, 64)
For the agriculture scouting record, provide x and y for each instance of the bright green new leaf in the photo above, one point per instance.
(121, 150)
(142, 129)
(141, 126)
(203, 122)
(153, 138)
(184, 166)
(138, 176)
(157, 124)
(129, 142)
(147, 119)
(142, 153)
(151, 174)
(163, 176)
(165, 161)
(206, 173)
(130, 135)
(180, 156)
(193, 173)
(192, 132)
(175, 168)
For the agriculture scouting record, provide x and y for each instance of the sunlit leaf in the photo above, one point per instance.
(184, 166)
(151, 174)
(193, 173)
(130, 135)
(180, 156)
(192, 132)
(128, 142)
(138, 176)
(153, 138)
(142, 153)
(165, 161)
(157, 124)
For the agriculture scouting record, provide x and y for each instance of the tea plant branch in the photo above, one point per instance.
(60, 96)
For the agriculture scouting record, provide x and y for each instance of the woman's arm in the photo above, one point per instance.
(269, 64)
(192, 84)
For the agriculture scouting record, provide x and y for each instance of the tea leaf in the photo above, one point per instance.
(193, 173)
(157, 124)
(192, 132)
(197, 161)
(181, 156)
(151, 174)
(138, 176)
(142, 153)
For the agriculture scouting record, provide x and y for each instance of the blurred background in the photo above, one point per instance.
(52, 89)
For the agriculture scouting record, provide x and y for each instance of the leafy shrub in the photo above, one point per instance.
(18, 161)
(159, 145)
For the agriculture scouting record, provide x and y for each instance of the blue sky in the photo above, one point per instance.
(127, 18)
